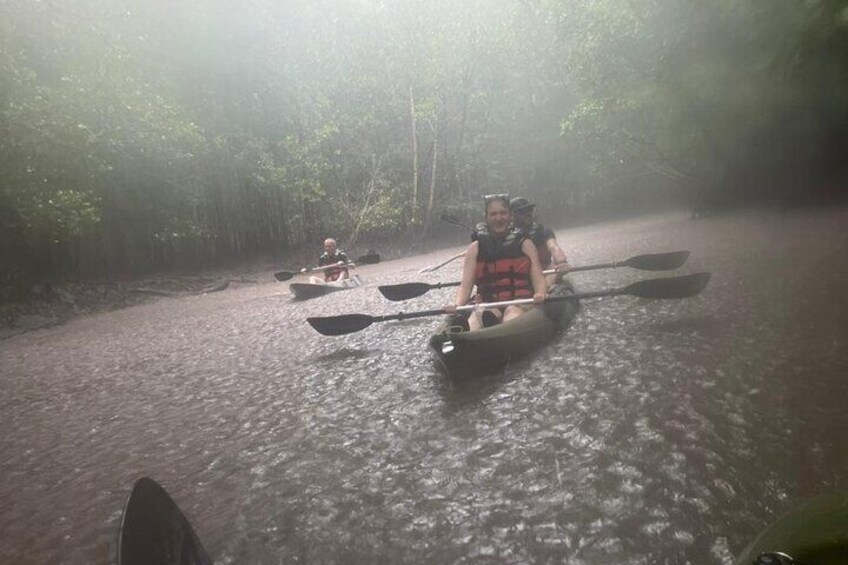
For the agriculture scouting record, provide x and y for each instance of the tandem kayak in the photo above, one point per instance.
(458, 352)
(305, 291)
(816, 532)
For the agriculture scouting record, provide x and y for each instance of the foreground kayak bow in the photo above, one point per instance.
(155, 532)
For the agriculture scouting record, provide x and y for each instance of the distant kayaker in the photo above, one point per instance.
(543, 237)
(331, 256)
(503, 264)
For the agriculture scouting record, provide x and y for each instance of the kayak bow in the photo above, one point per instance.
(155, 532)
(305, 291)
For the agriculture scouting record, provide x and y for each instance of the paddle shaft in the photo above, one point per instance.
(333, 266)
(442, 264)
(286, 275)
(611, 265)
(434, 286)
(595, 267)
(518, 301)
(484, 305)
(672, 288)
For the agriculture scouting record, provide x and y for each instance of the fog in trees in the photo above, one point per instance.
(144, 136)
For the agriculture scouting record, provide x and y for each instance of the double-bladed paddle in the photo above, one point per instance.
(370, 259)
(674, 287)
(647, 262)
(439, 266)
(448, 219)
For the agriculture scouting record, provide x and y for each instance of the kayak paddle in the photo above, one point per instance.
(369, 259)
(674, 287)
(439, 266)
(154, 531)
(648, 262)
(405, 291)
(449, 219)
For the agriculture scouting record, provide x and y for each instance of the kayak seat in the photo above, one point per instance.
(490, 319)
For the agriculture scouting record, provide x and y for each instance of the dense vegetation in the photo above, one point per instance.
(137, 136)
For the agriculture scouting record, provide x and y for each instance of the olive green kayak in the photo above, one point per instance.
(461, 353)
(814, 533)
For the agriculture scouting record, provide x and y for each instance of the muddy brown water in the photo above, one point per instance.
(649, 432)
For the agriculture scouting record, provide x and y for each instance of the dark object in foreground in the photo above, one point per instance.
(813, 533)
(459, 353)
(673, 287)
(155, 532)
(648, 262)
(370, 259)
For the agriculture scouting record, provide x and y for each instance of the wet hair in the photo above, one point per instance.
(502, 197)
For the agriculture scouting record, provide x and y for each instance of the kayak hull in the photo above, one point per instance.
(459, 353)
(307, 291)
(814, 532)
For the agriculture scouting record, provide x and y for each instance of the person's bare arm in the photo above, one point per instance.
(540, 285)
(558, 255)
(469, 266)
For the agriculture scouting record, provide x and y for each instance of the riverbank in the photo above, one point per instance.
(44, 304)
(35, 304)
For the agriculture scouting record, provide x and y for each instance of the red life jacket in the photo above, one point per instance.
(503, 270)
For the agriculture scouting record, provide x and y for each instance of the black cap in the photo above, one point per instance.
(520, 203)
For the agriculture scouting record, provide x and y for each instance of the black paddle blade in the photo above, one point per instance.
(658, 261)
(340, 325)
(370, 259)
(405, 291)
(673, 287)
(155, 532)
(284, 275)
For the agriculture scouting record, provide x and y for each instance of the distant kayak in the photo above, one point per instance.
(305, 291)
(460, 353)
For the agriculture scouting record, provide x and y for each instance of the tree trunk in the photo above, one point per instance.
(433, 170)
(414, 157)
(375, 171)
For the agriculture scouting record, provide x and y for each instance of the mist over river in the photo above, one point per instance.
(648, 432)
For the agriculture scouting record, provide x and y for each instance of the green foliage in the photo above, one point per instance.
(136, 138)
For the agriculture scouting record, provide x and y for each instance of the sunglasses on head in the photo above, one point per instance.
(502, 196)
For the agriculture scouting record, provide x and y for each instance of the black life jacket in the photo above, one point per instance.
(334, 273)
(502, 270)
(536, 233)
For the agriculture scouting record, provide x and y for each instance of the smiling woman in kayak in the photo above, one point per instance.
(503, 264)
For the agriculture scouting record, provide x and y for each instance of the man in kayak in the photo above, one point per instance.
(503, 264)
(331, 256)
(543, 237)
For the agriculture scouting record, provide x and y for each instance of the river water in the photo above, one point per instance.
(649, 432)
